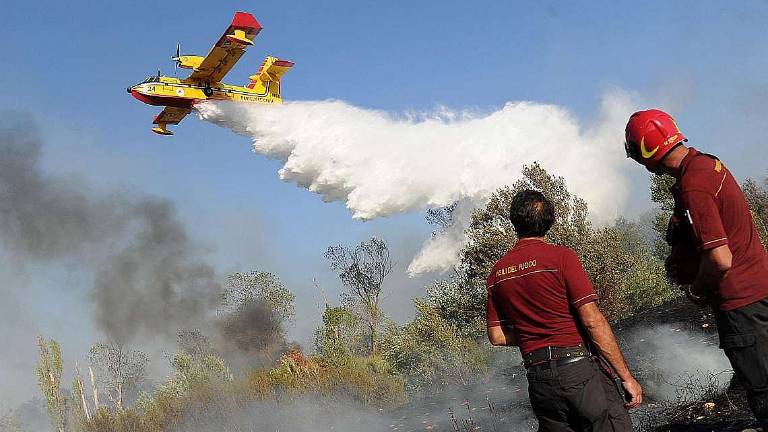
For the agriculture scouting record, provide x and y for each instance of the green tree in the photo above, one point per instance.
(79, 397)
(48, 371)
(461, 302)
(362, 269)
(255, 310)
(627, 276)
(194, 344)
(10, 423)
(662, 196)
(491, 234)
(341, 335)
(619, 260)
(243, 288)
(757, 197)
(118, 369)
(429, 351)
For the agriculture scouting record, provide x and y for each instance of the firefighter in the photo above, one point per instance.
(716, 254)
(541, 299)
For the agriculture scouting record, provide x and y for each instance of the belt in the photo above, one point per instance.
(561, 355)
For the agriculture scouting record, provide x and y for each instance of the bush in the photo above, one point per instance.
(460, 302)
(430, 352)
(757, 197)
(369, 380)
(626, 275)
(204, 393)
(341, 335)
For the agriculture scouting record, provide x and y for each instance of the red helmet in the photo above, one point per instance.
(650, 135)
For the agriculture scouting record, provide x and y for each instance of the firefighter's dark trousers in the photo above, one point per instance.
(744, 338)
(576, 397)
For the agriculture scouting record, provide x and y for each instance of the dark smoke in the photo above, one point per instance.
(150, 277)
(157, 283)
(43, 217)
(253, 328)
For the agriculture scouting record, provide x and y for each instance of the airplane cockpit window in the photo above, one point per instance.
(151, 79)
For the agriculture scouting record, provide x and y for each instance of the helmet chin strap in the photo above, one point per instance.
(658, 167)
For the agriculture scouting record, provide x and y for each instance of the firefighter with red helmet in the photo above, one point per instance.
(716, 254)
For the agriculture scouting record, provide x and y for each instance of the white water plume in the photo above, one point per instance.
(381, 164)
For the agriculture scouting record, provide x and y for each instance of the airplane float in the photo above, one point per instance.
(178, 96)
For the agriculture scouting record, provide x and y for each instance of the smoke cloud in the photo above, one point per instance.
(150, 278)
(43, 217)
(668, 356)
(157, 283)
(381, 164)
(250, 333)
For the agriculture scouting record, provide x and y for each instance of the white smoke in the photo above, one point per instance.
(677, 363)
(381, 164)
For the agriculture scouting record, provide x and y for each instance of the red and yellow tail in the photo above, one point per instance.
(267, 79)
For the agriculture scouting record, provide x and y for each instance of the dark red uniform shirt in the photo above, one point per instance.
(710, 198)
(536, 288)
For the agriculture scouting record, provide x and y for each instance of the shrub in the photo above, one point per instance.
(341, 335)
(430, 352)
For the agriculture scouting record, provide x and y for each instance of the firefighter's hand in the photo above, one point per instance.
(635, 391)
(679, 273)
(695, 298)
(671, 269)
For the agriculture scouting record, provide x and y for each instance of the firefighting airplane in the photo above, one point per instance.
(179, 95)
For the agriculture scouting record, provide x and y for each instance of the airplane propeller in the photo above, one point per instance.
(176, 59)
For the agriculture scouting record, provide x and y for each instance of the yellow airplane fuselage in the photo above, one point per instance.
(184, 93)
(179, 96)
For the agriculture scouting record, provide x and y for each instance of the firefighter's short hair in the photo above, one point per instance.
(532, 214)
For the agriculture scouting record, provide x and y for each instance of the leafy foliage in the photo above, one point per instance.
(757, 197)
(341, 335)
(362, 269)
(255, 310)
(626, 274)
(9, 423)
(460, 302)
(245, 288)
(80, 405)
(491, 234)
(429, 351)
(442, 217)
(194, 344)
(119, 369)
(204, 393)
(662, 196)
(49, 378)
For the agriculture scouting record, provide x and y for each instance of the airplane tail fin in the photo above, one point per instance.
(268, 77)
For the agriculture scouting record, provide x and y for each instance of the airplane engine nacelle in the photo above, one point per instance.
(190, 61)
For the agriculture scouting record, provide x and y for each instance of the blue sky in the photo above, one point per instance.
(68, 64)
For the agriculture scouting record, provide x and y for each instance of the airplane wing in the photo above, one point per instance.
(228, 49)
(169, 116)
